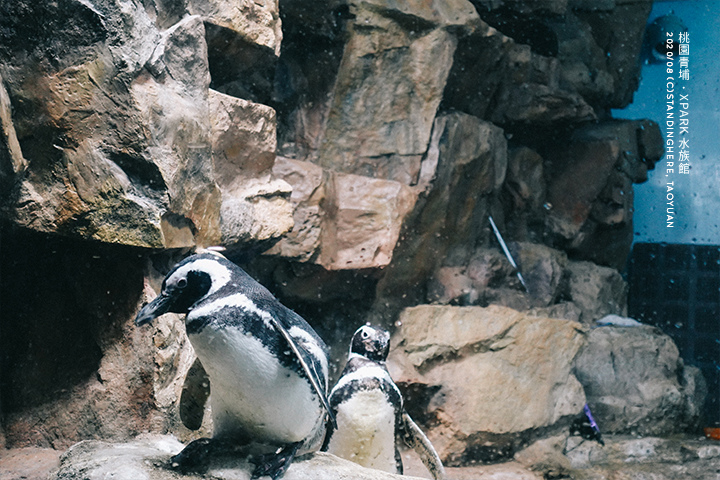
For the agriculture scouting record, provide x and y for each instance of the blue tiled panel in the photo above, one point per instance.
(677, 288)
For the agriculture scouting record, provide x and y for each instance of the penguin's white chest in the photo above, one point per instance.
(366, 431)
(251, 393)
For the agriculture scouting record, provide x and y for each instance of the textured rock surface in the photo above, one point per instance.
(389, 85)
(502, 471)
(257, 22)
(633, 381)
(115, 380)
(342, 221)
(522, 86)
(93, 376)
(465, 165)
(596, 290)
(144, 458)
(116, 185)
(624, 457)
(126, 151)
(487, 275)
(29, 463)
(254, 205)
(485, 378)
(590, 197)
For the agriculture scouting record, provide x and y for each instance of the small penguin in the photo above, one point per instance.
(369, 412)
(267, 368)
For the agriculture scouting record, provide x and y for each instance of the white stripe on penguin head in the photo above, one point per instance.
(219, 274)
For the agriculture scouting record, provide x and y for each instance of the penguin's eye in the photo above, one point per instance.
(182, 283)
(365, 334)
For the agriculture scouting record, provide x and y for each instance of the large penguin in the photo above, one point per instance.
(369, 411)
(268, 369)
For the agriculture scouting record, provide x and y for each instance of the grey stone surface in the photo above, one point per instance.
(146, 458)
(633, 379)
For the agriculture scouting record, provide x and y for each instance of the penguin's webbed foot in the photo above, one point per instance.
(195, 458)
(274, 465)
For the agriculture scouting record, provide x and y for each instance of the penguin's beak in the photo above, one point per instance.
(159, 306)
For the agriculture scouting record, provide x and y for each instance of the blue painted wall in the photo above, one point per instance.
(697, 194)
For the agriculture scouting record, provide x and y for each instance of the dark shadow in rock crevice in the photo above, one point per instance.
(63, 302)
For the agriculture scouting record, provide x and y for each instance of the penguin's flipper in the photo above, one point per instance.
(416, 439)
(195, 393)
(308, 366)
(274, 465)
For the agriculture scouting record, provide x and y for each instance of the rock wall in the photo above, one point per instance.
(348, 154)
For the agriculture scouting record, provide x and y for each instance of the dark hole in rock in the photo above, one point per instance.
(62, 301)
(526, 30)
(144, 175)
(51, 30)
(312, 49)
(237, 67)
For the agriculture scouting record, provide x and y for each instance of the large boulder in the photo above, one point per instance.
(596, 290)
(255, 206)
(342, 221)
(486, 380)
(129, 183)
(635, 381)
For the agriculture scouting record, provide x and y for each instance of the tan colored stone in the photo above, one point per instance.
(546, 455)
(308, 192)
(503, 471)
(342, 221)
(243, 140)
(255, 206)
(596, 290)
(388, 88)
(29, 463)
(442, 13)
(259, 212)
(258, 21)
(12, 161)
(124, 156)
(501, 374)
(365, 217)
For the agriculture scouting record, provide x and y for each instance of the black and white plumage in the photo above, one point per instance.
(369, 411)
(268, 369)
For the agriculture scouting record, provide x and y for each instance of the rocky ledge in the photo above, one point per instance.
(146, 458)
(623, 457)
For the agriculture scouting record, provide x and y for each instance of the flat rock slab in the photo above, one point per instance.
(146, 457)
(28, 463)
(625, 457)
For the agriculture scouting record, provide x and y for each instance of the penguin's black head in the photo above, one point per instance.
(371, 342)
(191, 280)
